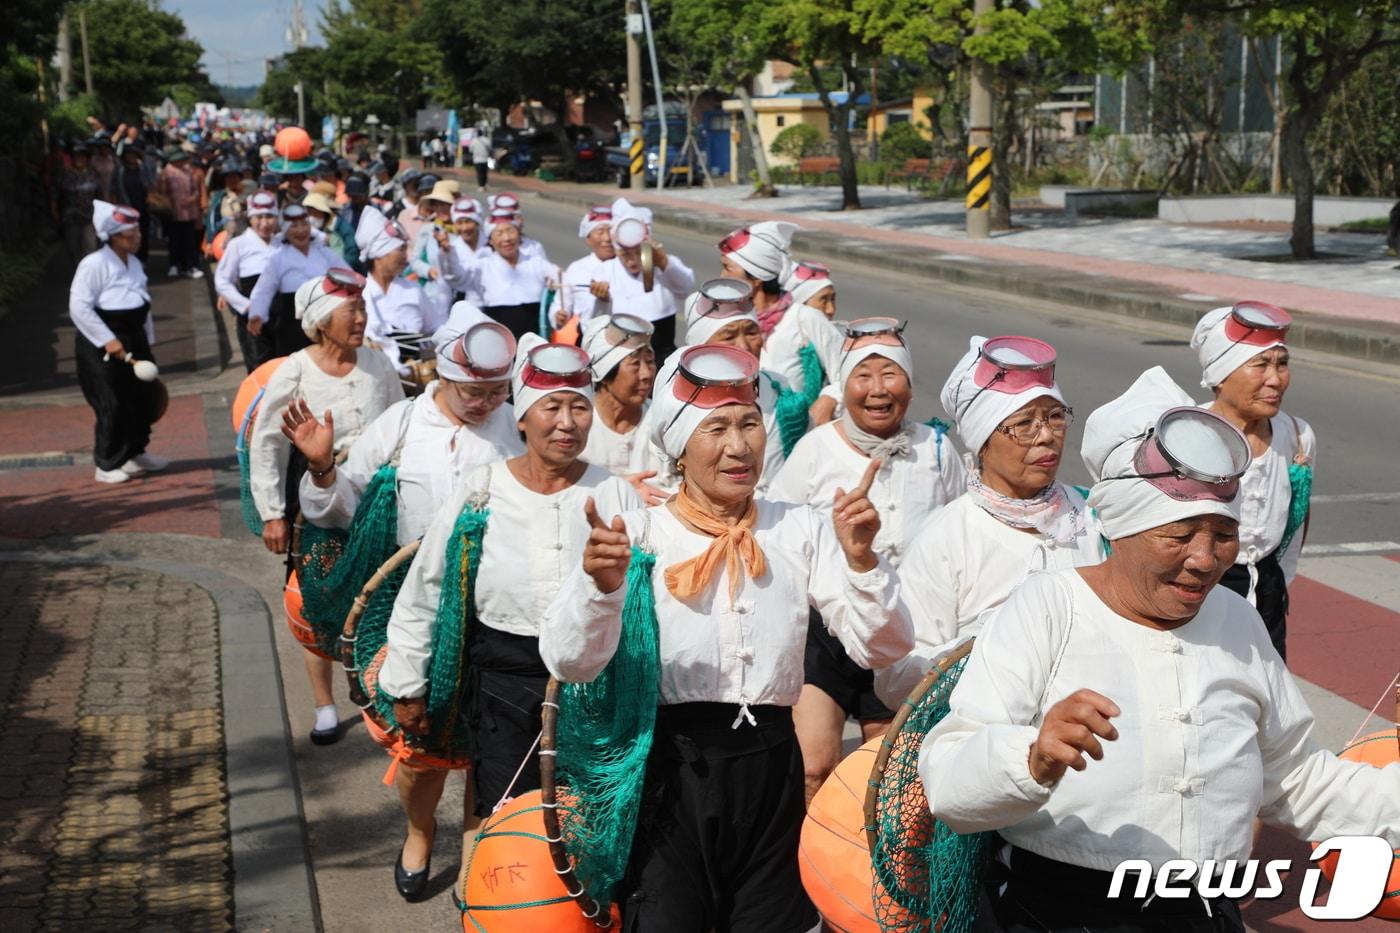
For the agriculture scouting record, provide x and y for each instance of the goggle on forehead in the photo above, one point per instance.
(710, 376)
(1191, 454)
(1011, 365)
(628, 331)
(724, 297)
(486, 350)
(556, 366)
(1255, 324)
(345, 283)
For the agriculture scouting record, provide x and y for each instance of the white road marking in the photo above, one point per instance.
(1358, 497)
(1353, 547)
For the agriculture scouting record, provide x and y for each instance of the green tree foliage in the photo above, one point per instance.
(901, 142)
(380, 58)
(797, 141)
(140, 55)
(278, 95)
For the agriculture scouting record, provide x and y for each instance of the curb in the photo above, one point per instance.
(273, 884)
(1379, 344)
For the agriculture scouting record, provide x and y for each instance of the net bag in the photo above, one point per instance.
(926, 875)
(593, 752)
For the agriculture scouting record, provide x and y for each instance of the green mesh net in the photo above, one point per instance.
(940, 431)
(245, 488)
(603, 739)
(1300, 476)
(923, 870)
(813, 374)
(334, 565)
(791, 413)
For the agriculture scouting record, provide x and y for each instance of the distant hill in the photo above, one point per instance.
(239, 96)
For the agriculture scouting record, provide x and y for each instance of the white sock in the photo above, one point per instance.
(326, 718)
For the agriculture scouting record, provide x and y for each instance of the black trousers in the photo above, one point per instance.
(519, 319)
(122, 403)
(720, 819)
(282, 328)
(481, 168)
(506, 684)
(184, 246)
(1270, 596)
(830, 669)
(663, 338)
(1039, 895)
(257, 348)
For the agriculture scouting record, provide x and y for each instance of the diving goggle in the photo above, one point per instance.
(1011, 365)
(553, 366)
(723, 297)
(345, 283)
(486, 351)
(1255, 324)
(712, 375)
(1192, 454)
(627, 331)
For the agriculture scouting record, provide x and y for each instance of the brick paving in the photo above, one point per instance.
(112, 753)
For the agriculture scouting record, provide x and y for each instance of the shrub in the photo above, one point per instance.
(901, 142)
(796, 142)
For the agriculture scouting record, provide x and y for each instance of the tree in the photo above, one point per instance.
(140, 54)
(278, 95)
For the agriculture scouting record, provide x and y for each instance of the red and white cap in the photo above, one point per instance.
(693, 383)
(543, 368)
(1227, 338)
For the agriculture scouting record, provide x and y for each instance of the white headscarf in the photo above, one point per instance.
(488, 348)
(700, 328)
(899, 355)
(1112, 435)
(105, 221)
(527, 396)
(804, 289)
(1219, 355)
(375, 237)
(979, 419)
(766, 255)
(625, 215)
(674, 421)
(262, 204)
(604, 356)
(314, 306)
(590, 222)
(466, 209)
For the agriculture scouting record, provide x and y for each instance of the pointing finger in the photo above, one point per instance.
(590, 511)
(868, 479)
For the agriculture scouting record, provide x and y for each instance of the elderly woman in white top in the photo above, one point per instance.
(394, 306)
(624, 368)
(732, 580)
(760, 254)
(457, 425)
(804, 345)
(920, 471)
(349, 385)
(1166, 680)
(111, 309)
(463, 272)
(511, 282)
(1244, 361)
(621, 281)
(244, 260)
(1014, 518)
(300, 254)
(534, 536)
(595, 229)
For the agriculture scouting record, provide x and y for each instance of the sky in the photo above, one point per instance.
(240, 35)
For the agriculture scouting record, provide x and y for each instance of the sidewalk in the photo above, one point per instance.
(1348, 303)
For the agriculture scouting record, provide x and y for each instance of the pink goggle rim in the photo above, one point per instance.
(545, 368)
(1014, 364)
(343, 282)
(696, 382)
(457, 352)
(885, 331)
(720, 298)
(597, 214)
(736, 240)
(629, 331)
(1257, 323)
(806, 271)
(126, 215)
(1182, 481)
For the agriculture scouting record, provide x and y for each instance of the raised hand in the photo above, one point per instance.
(1072, 729)
(659, 259)
(857, 522)
(315, 439)
(650, 494)
(608, 551)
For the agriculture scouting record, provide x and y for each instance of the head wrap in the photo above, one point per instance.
(804, 288)
(442, 192)
(466, 209)
(701, 328)
(505, 201)
(526, 396)
(1219, 355)
(1112, 435)
(316, 201)
(262, 204)
(899, 355)
(377, 236)
(488, 348)
(604, 355)
(980, 417)
(109, 219)
(599, 216)
(500, 215)
(761, 249)
(314, 305)
(901, 441)
(675, 420)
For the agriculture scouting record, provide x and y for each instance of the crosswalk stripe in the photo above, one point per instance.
(1350, 547)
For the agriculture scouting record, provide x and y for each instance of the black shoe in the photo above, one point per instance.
(326, 736)
(412, 884)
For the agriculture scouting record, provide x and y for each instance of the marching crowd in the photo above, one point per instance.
(584, 454)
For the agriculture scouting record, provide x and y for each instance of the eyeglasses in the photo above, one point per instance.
(723, 297)
(1010, 365)
(711, 375)
(486, 350)
(345, 283)
(556, 366)
(806, 271)
(1024, 431)
(1191, 454)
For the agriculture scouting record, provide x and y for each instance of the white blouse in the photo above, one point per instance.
(532, 543)
(749, 651)
(962, 564)
(609, 449)
(397, 310)
(435, 455)
(907, 490)
(578, 279)
(286, 269)
(1265, 495)
(466, 274)
(504, 285)
(103, 281)
(647, 455)
(1213, 732)
(799, 326)
(627, 294)
(246, 255)
(355, 400)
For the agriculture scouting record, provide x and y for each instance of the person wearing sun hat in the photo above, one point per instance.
(1134, 709)
(1013, 516)
(528, 515)
(731, 576)
(1243, 352)
(621, 280)
(920, 472)
(431, 258)
(325, 218)
(110, 305)
(243, 262)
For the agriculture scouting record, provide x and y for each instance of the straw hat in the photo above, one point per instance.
(442, 191)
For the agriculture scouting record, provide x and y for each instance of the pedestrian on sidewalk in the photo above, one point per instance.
(350, 385)
(301, 254)
(481, 157)
(178, 183)
(1244, 361)
(244, 260)
(77, 188)
(110, 306)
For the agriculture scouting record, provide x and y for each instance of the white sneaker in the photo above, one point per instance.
(195, 274)
(144, 463)
(173, 272)
(112, 476)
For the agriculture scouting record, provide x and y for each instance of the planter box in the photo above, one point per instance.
(1124, 202)
(1214, 208)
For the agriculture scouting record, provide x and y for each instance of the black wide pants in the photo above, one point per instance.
(123, 404)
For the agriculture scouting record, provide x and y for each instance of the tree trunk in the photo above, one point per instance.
(1003, 132)
(839, 116)
(1294, 149)
(760, 155)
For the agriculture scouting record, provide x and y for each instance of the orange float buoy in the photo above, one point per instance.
(292, 143)
(217, 245)
(511, 882)
(1378, 749)
(833, 856)
(301, 629)
(250, 393)
(393, 742)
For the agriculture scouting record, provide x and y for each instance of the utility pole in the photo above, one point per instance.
(635, 27)
(979, 137)
(65, 58)
(662, 175)
(87, 62)
(301, 104)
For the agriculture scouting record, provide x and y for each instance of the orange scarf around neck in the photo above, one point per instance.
(731, 544)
